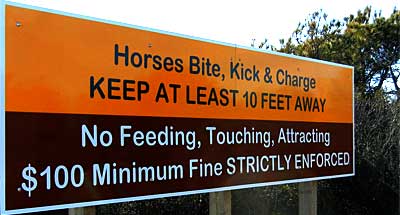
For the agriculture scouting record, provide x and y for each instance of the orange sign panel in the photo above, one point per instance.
(86, 67)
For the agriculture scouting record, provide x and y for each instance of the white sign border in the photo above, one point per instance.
(2, 110)
(119, 200)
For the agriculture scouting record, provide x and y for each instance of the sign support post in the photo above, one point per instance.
(82, 211)
(308, 198)
(220, 203)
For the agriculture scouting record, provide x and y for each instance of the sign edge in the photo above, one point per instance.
(2, 108)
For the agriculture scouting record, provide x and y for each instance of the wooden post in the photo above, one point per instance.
(82, 211)
(308, 198)
(220, 203)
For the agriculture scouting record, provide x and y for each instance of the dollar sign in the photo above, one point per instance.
(32, 182)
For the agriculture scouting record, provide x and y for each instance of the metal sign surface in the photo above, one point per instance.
(96, 112)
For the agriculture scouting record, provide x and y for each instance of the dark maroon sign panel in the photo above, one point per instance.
(93, 157)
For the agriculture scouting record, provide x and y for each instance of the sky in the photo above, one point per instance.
(232, 21)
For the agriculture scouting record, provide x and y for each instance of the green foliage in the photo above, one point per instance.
(192, 204)
(370, 43)
(274, 200)
(375, 188)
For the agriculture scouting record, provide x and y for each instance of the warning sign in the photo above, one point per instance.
(97, 112)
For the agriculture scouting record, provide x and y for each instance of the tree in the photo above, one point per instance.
(370, 43)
